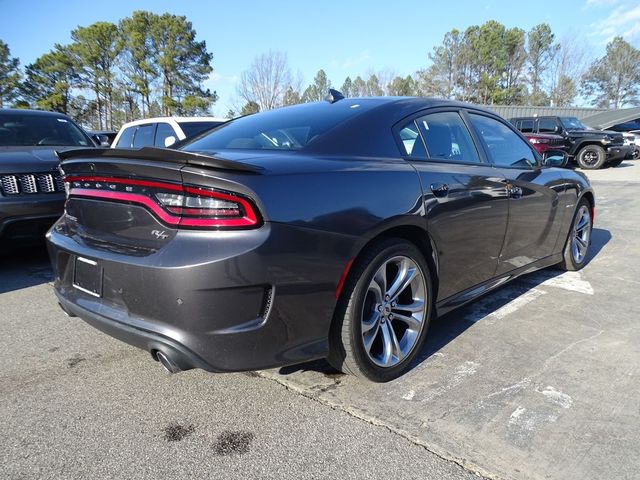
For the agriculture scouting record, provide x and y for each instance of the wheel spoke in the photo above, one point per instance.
(396, 345)
(581, 242)
(371, 323)
(403, 279)
(415, 306)
(380, 279)
(370, 337)
(412, 322)
(584, 221)
(387, 344)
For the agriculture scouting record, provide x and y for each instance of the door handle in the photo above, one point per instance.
(440, 189)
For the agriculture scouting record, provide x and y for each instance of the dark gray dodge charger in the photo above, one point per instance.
(31, 188)
(334, 230)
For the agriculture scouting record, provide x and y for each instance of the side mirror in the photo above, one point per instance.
(170, 140)
(101, 140)
(558, 129)
(555, 158)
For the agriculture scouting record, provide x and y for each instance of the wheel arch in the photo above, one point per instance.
(585, 143)
(415, 234)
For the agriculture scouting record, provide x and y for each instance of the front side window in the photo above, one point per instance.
(504, 146)
(447, 137)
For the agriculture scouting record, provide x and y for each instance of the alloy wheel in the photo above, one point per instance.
(393, 313)
(581, 235)
(590, 157)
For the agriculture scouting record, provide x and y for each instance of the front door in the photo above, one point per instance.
(464, 199)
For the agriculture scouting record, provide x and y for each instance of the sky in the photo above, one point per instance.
(349, 37)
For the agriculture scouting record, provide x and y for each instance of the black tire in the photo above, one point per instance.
(569, 261)
(615, 163)
(636, 153)
(591, 157)
(347, 350)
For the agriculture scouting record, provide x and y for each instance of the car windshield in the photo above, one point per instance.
(290, 128)
(191, 129)
(18, 129)
(572, 123)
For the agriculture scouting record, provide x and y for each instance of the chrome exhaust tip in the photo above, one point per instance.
(167, 363)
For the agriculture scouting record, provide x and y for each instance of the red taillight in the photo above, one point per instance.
(176, 205)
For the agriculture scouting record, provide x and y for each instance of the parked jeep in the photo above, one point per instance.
(591, 149)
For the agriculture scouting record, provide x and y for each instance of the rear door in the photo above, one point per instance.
(535, 212)
(464, 198)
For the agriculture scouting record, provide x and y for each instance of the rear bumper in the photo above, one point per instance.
(146, 340)
(220, 301)
(29, 216)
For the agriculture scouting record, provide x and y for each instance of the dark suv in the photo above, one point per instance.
(31, 188)
(591, 149)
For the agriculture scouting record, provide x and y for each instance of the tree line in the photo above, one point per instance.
(487, 64)
(149, 64)
(109, 74)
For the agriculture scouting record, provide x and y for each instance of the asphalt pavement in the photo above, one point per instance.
(537, 380)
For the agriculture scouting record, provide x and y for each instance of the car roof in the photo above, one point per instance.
(25, 111)
(368, 133)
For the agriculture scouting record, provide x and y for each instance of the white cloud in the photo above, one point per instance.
(600, 3)
(350, 62)
(622, 20)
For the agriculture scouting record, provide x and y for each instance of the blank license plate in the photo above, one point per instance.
(88, 276)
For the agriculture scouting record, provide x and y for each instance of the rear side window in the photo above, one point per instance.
(504, 146)
(411, 142)
(126, 138)
(144, 136)
(546, 125)
(163, 132)
(447, 138)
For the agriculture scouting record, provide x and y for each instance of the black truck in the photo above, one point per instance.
(591, 149)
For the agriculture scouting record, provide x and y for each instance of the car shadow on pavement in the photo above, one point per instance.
(447, 328)
(25, 266)
(599, 238)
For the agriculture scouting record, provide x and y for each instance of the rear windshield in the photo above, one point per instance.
(40, 130)
(290, 128)
(191, 129)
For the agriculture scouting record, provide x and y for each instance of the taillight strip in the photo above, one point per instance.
(126, 181)
(249, 220)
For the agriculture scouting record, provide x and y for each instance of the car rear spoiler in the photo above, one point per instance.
(159, 155)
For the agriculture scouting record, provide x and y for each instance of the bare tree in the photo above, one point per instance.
(567, 67)
(266, 81)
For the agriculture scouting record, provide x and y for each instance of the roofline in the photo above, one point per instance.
(144, 121)
(33, 111)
